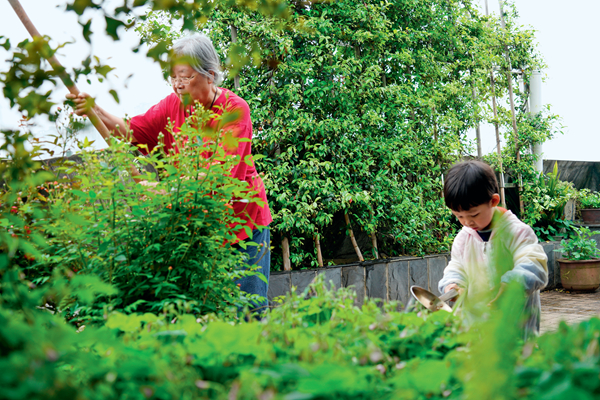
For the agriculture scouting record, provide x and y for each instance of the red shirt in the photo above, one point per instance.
(147, 127)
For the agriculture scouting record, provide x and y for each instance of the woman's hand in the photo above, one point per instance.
(83, 103)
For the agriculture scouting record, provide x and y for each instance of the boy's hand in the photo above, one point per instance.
(453, 286)
(500, 291)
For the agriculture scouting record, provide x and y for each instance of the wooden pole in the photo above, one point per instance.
(285, 245)
(512, 108)
(477, 128)
(498, 144)
(236, 79)
(358, 253)
(374, 235)
(319, 253)
(497, 128)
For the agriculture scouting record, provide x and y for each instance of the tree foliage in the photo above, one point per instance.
(360, 109)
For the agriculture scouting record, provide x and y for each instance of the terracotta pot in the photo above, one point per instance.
(581, 275)
(590, 216)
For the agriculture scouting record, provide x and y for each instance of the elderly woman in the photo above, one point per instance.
(195, 77)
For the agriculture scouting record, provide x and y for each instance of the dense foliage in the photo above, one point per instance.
(314, 346)
(361, 108)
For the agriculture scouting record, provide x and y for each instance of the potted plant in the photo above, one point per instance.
(580, 265)
(589, 206)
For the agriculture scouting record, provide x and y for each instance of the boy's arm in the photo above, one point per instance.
(454, 272)
(530, 262)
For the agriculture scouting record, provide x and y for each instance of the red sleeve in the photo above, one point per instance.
(146, 127)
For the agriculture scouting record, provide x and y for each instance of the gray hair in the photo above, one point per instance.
(199, 52)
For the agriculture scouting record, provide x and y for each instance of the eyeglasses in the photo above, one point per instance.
(185, 81)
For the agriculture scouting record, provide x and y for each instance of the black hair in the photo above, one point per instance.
(469, 184)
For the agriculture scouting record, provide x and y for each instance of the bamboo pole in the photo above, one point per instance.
(285, 244)
(374, 235)
(498, 144)
(477, 128)
(319, 253)
(353, 239)
(236, 79)
(496, 127)
(512, 107)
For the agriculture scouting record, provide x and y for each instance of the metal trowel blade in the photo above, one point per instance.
(430, 301)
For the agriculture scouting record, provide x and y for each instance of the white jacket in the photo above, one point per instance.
(469, 266)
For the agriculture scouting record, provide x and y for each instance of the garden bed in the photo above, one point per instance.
(388, 279)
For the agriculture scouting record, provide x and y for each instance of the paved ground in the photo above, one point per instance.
(571, 307)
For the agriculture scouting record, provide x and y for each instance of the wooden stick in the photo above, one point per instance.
(497, 128)
(358, 253)
(512, 107)
(319, 254)
(285, 244)
(96, 121)
(60, 70)
(374, 235)
(236, 79)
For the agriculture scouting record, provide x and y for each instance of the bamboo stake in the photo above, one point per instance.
(64, 77)
(477, 128)
(512, 107)
(236, 79)
(319, 253)
(285, 244)
(497, 128)
(374, 235)
(498, 144)
(358, 253)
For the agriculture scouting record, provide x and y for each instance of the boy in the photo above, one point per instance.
(471, 192)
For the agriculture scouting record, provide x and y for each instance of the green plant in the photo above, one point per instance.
(545, 202)
(588, 199)
(580, 246)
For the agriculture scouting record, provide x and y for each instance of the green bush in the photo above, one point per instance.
(546, 199)
(580, 246)
(316, 345)
(588, 199)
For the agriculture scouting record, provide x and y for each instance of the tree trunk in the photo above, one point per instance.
(358, 253)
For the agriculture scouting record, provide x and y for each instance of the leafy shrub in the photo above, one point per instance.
(580, 246)
(161, 244)
(545, 205)
(566, 365)
(317, 347)
(588, 199)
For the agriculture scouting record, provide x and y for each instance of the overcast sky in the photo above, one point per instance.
(563, 35)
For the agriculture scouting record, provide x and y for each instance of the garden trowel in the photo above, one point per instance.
(431, 301)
